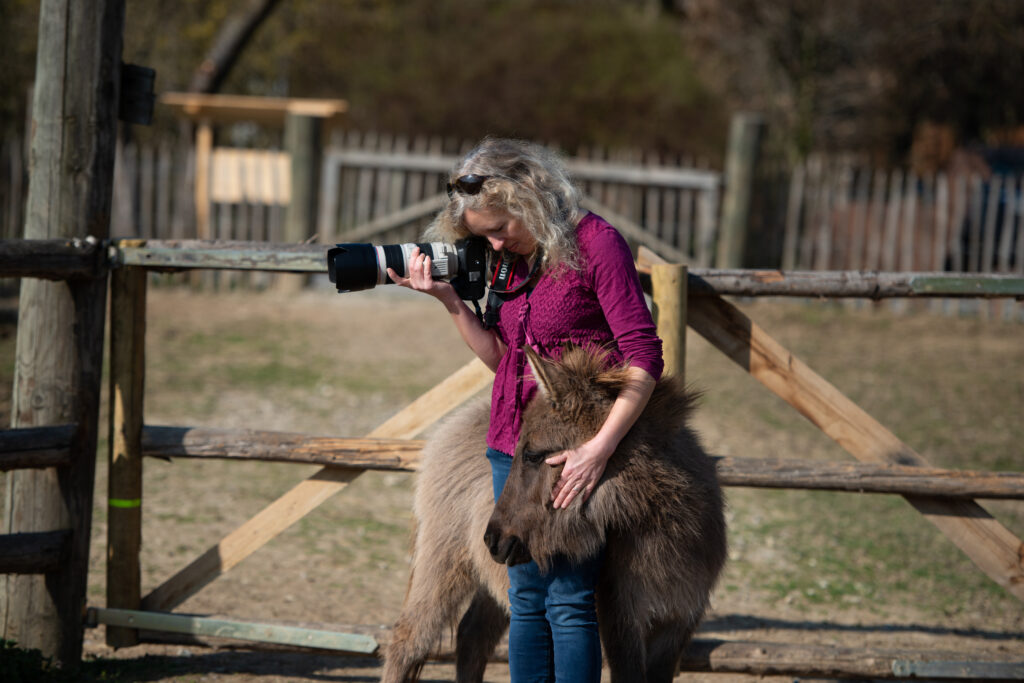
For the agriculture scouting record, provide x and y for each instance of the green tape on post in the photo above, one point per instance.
(125, 503)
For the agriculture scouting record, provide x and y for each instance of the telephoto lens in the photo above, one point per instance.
(355, 267)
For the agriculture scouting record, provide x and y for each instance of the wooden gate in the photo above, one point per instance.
(886, 463)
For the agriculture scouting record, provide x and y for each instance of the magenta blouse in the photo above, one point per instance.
(602, 304)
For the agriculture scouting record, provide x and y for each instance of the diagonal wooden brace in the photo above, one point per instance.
(991, 546)
(307, 495)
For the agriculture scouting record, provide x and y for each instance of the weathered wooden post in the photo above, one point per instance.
(302, 140)
(127, 372)
(60, 325)
(668, 286)
(745, 133)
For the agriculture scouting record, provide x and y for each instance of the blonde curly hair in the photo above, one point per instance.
(527, 180)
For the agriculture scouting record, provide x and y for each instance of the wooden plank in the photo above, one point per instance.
(842, 284)
(35, 447)
(30, 438)
(147, 188)
(988, 249)
(707, 229)
(307, 495)
(37, 458)
(1012, 199)
(249, 444)
(876, 222)
(908, 224)
(975, 230)
(204, 148)
(162, 207)
(52, 259)
(859, 220)
(868, 477)
(811, 217)
(668, 288)
(330, 191)
(193, 254)
(990, 545)
(816, 660)
(794, 210)
(124, 619)
(887, 256)
(267, 110)
(940, 244)
(961, 203)
(582, 167)
(38, 552)
(742, 657)
(124, 482)
(403, 455)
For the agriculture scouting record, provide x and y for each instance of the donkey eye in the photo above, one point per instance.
(535, 456)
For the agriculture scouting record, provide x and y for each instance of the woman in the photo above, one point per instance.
(572, 279)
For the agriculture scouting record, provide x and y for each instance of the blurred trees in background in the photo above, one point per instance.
(648, 74)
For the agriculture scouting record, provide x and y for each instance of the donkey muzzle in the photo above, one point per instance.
(505, 549)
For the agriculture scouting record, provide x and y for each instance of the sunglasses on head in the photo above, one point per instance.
(470, 184)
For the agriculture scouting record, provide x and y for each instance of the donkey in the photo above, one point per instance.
(657, 511)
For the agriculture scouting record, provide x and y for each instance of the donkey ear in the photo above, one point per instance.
(544, 372)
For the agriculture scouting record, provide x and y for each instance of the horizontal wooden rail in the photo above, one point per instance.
(355, 643)
(862, 477)
(34, 553)
(647, 174)
(245, 444)
(56, 259)
(31, 447)
(851, 284)
(732, 656)
(172, 255)
(403, 455)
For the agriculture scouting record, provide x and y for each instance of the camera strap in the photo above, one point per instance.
(499, 290)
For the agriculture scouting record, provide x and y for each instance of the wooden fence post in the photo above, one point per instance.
(127, 371)
(60, 324)
(668, 285)
(745, 133)
(302, 135)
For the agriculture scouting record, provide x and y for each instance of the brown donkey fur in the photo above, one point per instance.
(657, 510)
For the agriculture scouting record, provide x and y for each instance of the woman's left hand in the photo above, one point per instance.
(583, 468)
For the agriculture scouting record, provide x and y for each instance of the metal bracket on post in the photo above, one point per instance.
(137, 96)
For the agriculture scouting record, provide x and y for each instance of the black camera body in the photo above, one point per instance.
(354, 267)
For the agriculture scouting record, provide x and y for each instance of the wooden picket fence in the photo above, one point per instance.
(843, 216)
(827, 213)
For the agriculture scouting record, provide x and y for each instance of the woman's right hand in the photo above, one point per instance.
(419, 279)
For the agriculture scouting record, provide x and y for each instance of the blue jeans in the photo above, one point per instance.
(553, 632)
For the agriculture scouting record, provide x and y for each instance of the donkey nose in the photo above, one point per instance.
(502, 548)
(492, 539)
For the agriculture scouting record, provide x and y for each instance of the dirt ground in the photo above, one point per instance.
(805, 567)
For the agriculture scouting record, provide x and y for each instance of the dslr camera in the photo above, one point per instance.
(355, 267)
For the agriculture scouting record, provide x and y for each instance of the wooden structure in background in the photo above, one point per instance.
(304, 122)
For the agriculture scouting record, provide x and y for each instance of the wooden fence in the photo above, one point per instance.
(842, 216)
(945, 498)
(820, 215)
